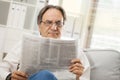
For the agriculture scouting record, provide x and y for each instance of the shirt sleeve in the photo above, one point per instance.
(10, 62)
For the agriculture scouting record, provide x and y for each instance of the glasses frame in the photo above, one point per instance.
(50, 23)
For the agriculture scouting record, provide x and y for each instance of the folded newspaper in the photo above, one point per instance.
(40, 53)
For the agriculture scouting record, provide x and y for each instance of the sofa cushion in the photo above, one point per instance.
(105, 64)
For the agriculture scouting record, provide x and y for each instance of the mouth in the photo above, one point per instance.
(53, 34)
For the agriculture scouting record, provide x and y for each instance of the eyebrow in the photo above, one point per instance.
(52, 20)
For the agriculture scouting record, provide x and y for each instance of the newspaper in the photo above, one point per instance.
(39, 53)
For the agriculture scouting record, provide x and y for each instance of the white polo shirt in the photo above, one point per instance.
(12, 60)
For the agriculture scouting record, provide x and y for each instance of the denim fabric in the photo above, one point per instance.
(42, 75)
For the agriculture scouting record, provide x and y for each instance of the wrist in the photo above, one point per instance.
(77, 77)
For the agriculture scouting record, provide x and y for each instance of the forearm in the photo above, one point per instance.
(8, 77)
(4, 70)
(4, 74)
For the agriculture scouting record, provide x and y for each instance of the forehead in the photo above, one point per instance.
(52, 14)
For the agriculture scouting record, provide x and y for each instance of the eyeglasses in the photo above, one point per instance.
(50, 23)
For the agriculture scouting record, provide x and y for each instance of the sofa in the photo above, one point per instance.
(105, 64)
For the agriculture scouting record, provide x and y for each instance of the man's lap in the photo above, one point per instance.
(43, 75)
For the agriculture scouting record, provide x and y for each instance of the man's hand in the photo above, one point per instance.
(76, 67)
(18, 75)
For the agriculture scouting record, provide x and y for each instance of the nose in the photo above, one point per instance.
(54, 27)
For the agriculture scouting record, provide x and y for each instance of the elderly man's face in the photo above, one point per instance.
(52, 23)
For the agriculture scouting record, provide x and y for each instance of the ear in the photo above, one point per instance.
(39, 28)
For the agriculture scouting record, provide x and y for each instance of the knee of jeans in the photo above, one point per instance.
(46, 73)
(43, 74)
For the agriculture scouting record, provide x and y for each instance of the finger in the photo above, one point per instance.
(76, 68)
(21, 73)
(76, 65)
(17, 77)
(77, 71)
(73, 61)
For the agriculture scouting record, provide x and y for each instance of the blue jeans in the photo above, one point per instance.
(42, 75)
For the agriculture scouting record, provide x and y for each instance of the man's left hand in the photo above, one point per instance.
(76, 67)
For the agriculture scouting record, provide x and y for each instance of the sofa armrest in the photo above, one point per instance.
(105, 64)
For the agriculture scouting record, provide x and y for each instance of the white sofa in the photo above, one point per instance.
(105, 64)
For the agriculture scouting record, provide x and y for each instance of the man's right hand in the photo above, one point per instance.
(18, 75)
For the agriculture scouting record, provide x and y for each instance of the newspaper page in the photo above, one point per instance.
(39, 53)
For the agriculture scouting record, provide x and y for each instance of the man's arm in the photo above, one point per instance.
(18, 75)
(4, 70)
(8, 77)
(10, 62)
(77, 68)
(83, 61)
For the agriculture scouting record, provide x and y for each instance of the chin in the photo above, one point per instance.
(53, 36)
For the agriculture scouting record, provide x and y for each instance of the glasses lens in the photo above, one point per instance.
(59, 23)
(50, 23)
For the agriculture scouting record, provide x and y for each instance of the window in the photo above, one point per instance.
(106, 33)
(72, 6)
